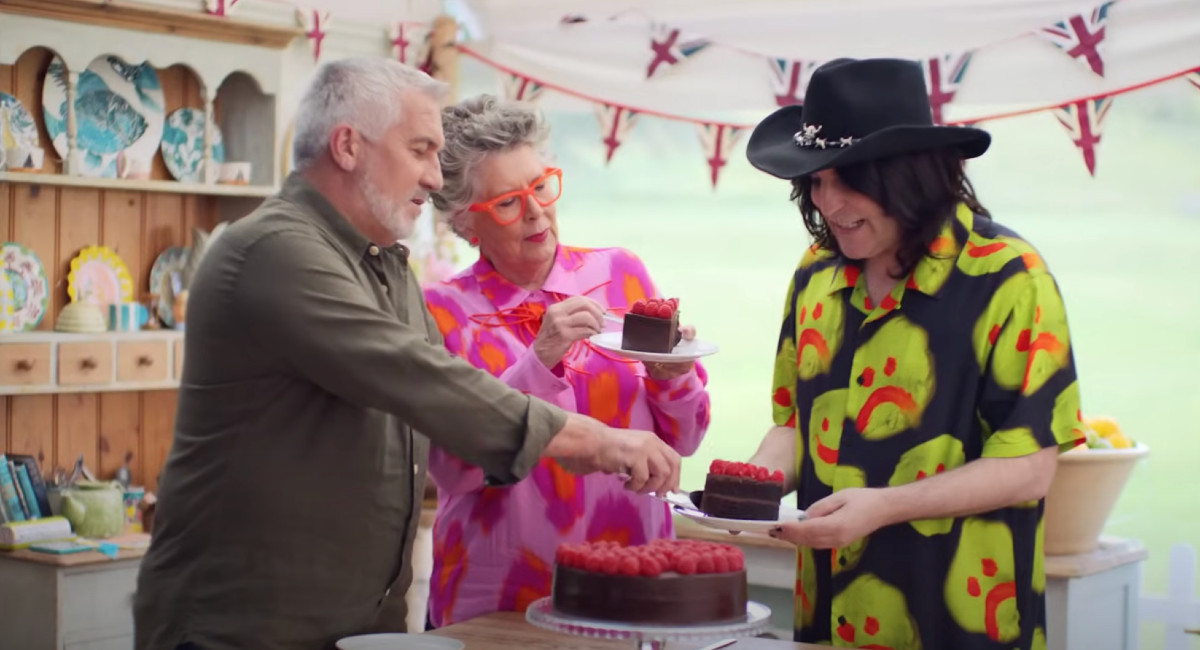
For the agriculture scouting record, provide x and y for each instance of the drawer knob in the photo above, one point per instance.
(145, 361)
(88, 364)
(24, 365)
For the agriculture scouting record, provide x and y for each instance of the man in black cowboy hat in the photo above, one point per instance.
(924, 382)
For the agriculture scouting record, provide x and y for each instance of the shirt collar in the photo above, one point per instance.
(299, 191)
(503, 294)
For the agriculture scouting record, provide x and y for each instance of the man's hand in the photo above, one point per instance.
(563, 324)
(838, 520)
(660, 371)
(652, 466)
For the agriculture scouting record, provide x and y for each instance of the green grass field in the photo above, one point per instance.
(1123, 246)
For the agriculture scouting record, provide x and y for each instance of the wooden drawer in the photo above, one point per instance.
(97, 604)
(84, 363)
(24, 364)
(142, 361)
(178, 346)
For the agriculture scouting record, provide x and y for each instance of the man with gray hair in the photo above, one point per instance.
(315, 382)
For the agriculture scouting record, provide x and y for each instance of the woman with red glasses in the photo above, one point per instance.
(524, 312)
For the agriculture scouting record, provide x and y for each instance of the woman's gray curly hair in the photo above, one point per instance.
(475, 128)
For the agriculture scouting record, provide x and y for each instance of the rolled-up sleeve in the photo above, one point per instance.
(302, 301)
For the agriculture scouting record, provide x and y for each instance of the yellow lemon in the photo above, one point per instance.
(1119, 441)
(1104, 426)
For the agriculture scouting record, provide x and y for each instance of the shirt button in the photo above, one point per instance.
(416, 468)
(373, 250)
(385, 288)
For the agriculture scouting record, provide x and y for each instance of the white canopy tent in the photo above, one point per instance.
(604, 58)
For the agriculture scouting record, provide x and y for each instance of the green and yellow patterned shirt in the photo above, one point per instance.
(969, 358)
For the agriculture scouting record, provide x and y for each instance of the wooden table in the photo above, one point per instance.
(508, 630)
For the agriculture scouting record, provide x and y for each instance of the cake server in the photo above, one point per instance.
(719, 644)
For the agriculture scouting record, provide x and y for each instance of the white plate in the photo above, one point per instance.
(398, 641)
(786, 514)
(685, 351)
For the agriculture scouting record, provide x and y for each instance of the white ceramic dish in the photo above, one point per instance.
(685, 351)
(398, 641)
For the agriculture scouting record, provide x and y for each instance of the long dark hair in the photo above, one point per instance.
(921, 191)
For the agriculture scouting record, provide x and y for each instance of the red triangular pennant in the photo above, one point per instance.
(316, 25)
(943, 75)
(409, 42)
(789, 79)
(1193, 78)
(669, 46)
(717, 140)
(521, 88)
(615, 124)
(220, 7)
(1081, 36)
(1084, 120)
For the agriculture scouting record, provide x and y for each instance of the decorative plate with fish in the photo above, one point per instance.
(172, 260)
(27, 281)
(99, 276)
(118, 110)
(17, 128)
(183, 145)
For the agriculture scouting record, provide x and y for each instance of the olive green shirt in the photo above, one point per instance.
(315, 381)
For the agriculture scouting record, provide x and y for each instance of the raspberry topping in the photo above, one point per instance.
(660, 556)
(744, 470)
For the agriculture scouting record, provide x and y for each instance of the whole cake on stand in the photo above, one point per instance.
(667, 590)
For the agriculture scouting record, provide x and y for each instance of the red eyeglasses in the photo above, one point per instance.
(508, 208)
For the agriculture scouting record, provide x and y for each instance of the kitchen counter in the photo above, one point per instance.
(508, 630)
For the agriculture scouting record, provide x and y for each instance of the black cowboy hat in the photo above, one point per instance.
(855, 111)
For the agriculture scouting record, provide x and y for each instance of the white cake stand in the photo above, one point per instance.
(647, 637)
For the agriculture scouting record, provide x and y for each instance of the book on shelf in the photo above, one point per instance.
(36, 481)
(10, 498)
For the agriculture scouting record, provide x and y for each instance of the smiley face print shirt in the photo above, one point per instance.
(968, 358)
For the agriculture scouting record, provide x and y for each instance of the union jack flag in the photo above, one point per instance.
(410, 43)
(789, 79)
(1081, 36)
(1083, 120)
(316, 25)
(615, 124)
(522, 88)
(669, 46)
(943, 75)
(1193, 78)
(220, 7)
(717, 140)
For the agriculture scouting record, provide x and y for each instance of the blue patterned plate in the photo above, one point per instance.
(183, 145)
(118, 110)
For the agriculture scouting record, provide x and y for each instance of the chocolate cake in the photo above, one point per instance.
(665, 582)
(741, 491)
(651, 326)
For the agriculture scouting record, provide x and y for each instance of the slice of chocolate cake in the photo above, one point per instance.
(651, 326)
(736, 490)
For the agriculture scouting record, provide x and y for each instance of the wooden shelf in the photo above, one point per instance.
(194, 24)
(171, 187)
(38, 363)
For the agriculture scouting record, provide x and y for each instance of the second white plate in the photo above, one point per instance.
(685, 351)
(786, 514)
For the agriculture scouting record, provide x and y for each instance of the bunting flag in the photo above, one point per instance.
(943, 75)
(789, 79)
(615, 124)
(521, 88)
(220, 7)
(668, 46)
(1081, 37)
(408, 42)
(717, 140)
(1083, 120)
(1193, 78)
(316, 26)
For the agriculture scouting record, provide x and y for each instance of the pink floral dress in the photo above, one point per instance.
(493, 547)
